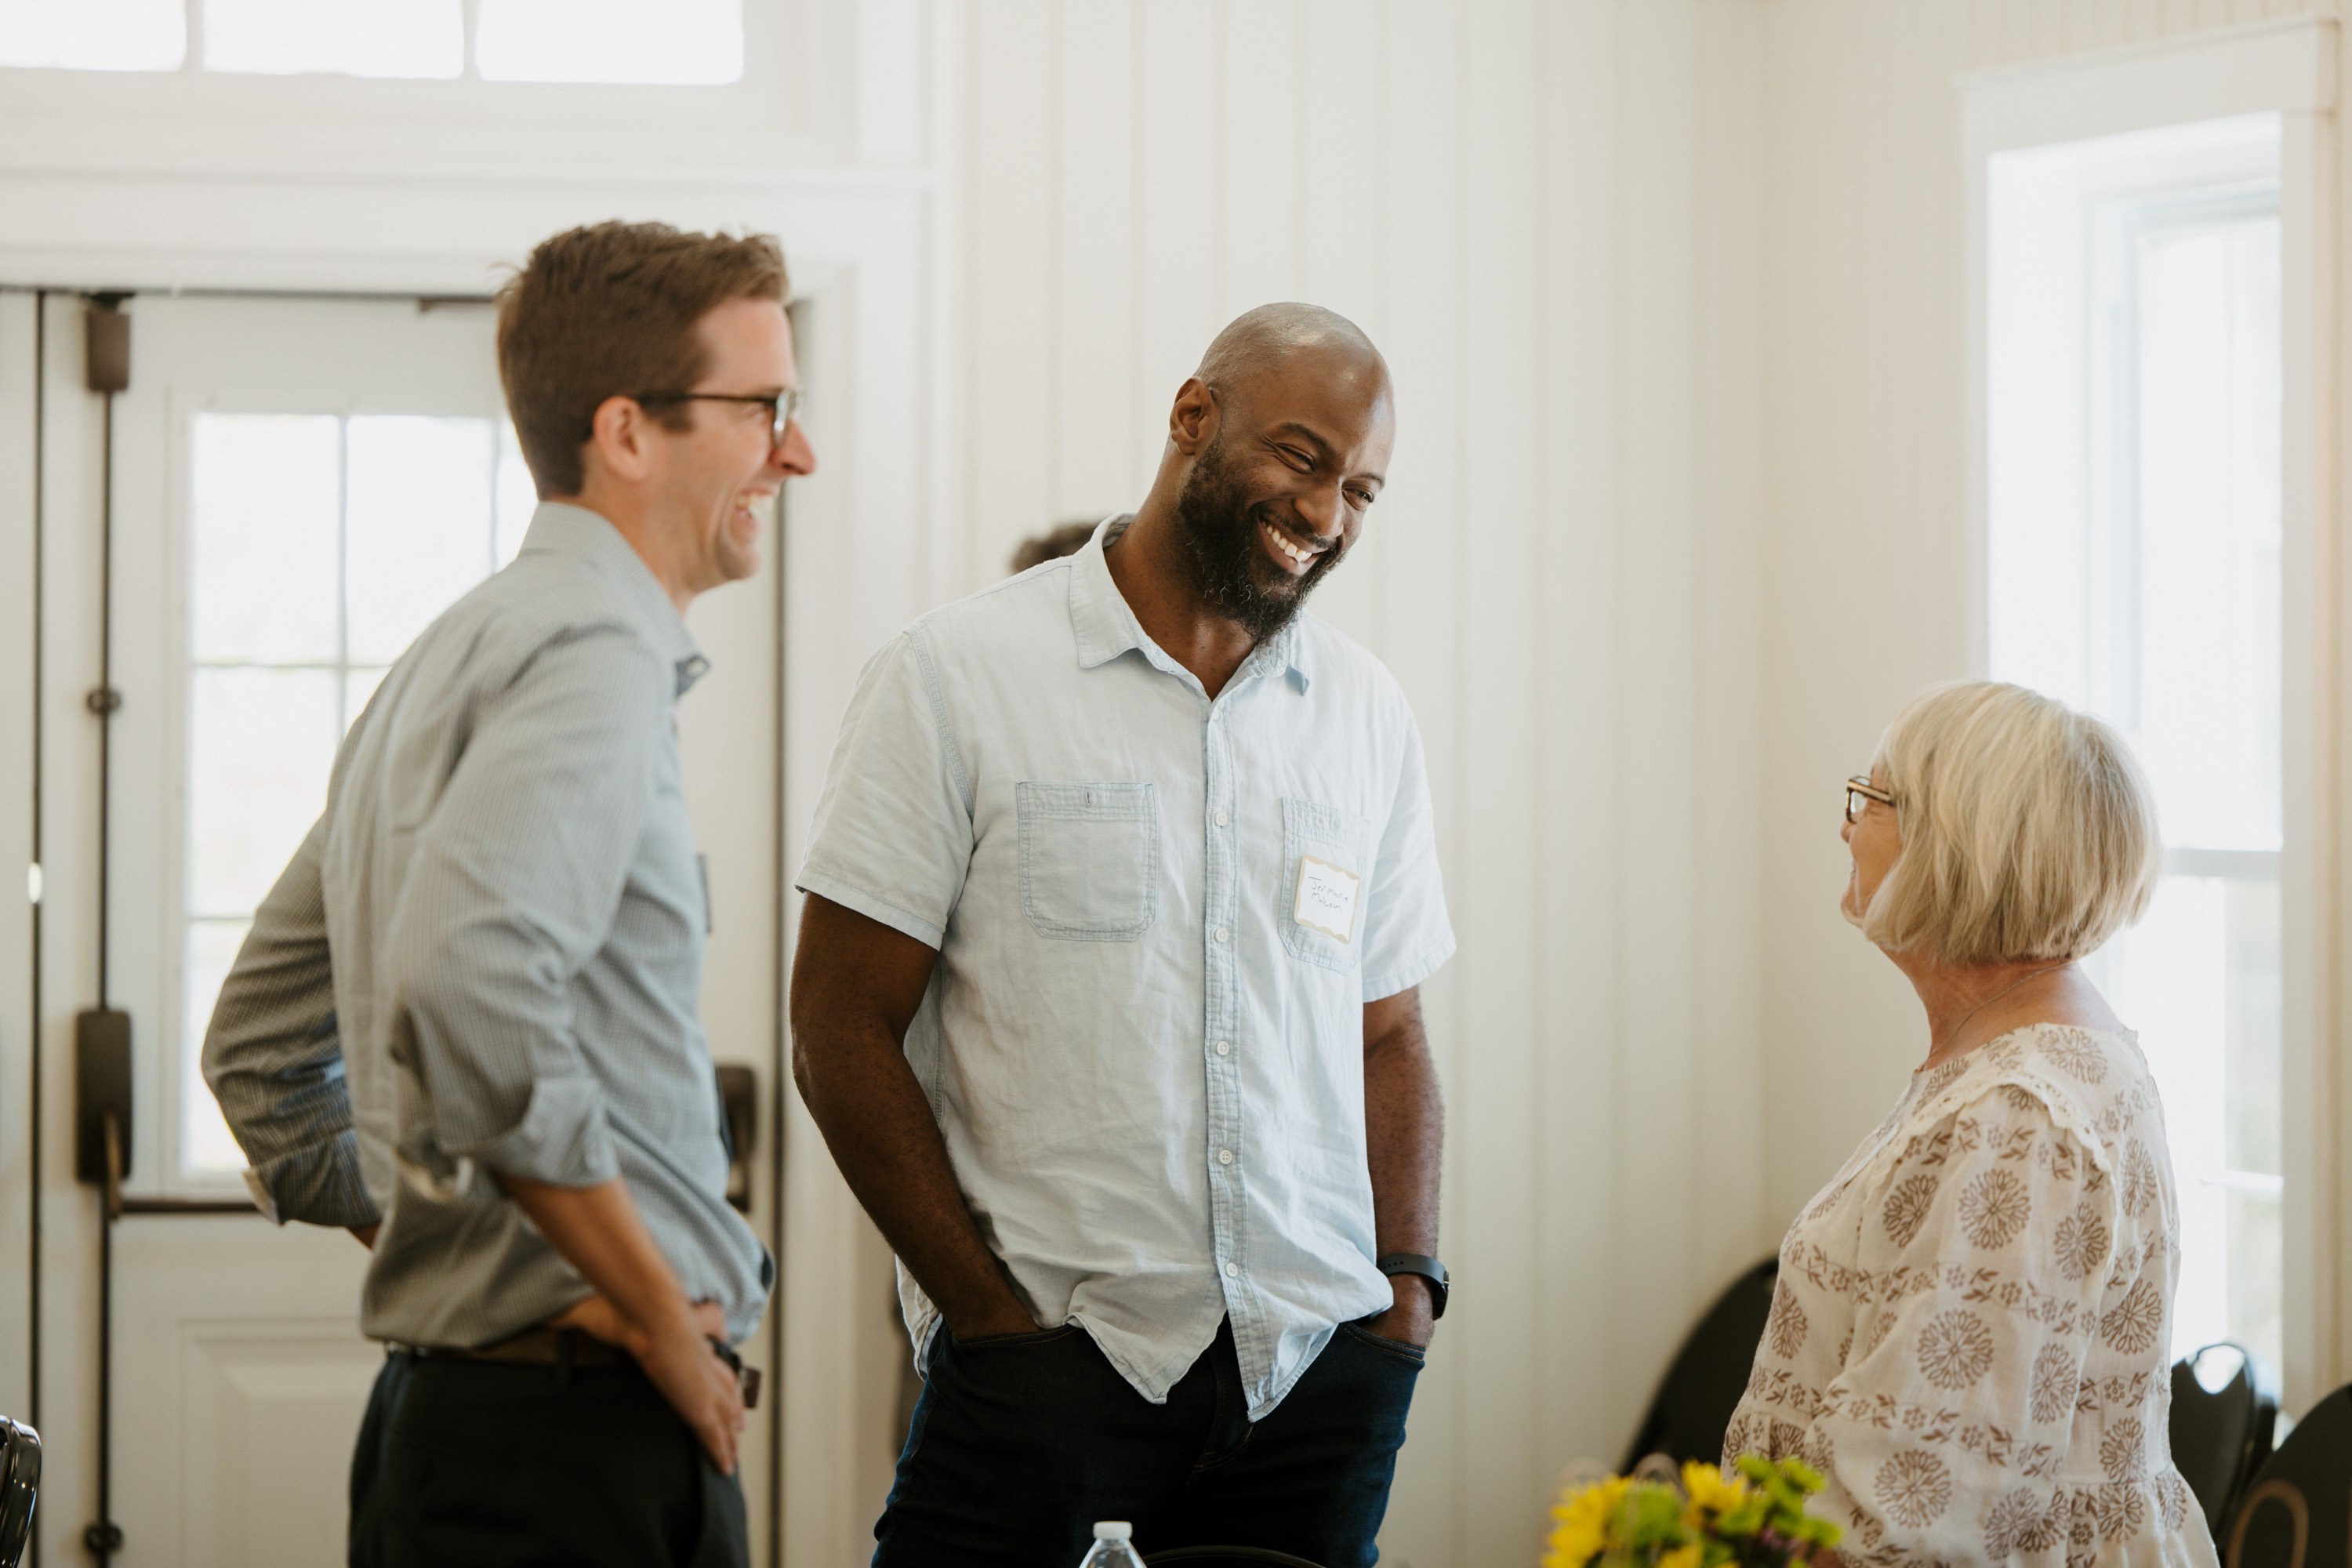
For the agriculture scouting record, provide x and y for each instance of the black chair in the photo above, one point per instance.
(2224, 1410)
(2298, 1513)
(1208, 1556)
(1702, 1388)
(20, 1486)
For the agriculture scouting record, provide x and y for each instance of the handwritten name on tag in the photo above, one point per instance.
(1326, 897)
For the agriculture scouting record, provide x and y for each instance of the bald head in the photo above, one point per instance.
(1274, 338)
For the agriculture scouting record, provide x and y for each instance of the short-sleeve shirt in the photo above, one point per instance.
(1970, 1339)
(1158, 918)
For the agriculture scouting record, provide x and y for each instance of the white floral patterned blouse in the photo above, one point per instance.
(1969, 1337)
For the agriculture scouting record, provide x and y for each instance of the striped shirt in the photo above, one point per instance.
(487, 957)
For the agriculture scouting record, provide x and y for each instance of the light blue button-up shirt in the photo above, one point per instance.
(1158, 918)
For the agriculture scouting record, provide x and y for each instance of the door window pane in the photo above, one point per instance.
(420, 525)
(261, 743)
(94, 35)
(318, 548)
(204, 1137)
(266, 537)
(351, 38)
(684, 43)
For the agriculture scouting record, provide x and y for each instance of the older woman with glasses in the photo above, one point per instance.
(1970, 1333)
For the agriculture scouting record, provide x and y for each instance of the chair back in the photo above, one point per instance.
(2224, 1409)
(1693, 1409)
(20, 1486)
(1213, 1556)
(2298, 1513)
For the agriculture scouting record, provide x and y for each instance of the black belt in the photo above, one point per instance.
(569, 1349)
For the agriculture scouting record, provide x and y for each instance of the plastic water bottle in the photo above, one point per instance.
(1112, 1547)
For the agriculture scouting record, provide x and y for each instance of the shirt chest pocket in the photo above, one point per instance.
(1325, 864)
(1089, 859)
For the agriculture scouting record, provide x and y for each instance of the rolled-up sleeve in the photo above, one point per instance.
(893, 835)
(274, 1061)
(513, 882)
(1407, 936)
(1987, 1247)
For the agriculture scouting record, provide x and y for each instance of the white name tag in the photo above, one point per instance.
(1326, 897)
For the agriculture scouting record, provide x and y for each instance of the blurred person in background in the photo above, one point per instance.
(1970, 1335)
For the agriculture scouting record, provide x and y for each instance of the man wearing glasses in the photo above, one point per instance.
(465, 1023)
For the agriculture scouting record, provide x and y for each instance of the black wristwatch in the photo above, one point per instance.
(1429, 1269)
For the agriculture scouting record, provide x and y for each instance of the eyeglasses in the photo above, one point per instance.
(1859, 793)
(783, 408)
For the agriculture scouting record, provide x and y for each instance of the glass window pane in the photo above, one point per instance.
(359, 686)
(2199, 978)
(420, 532)
(264, 498)
(354, 37)
(518, 495)
(686, 43)
(2208, 538)
(260, 745)
(95, 35)
(206, 1144)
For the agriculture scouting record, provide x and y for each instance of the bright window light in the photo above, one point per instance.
(2134, 391)
(318, 547)
(681, 43)
(351, 37)
(94, 35)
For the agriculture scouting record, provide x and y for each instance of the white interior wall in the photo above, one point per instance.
(1865, 536)
(1545, 214)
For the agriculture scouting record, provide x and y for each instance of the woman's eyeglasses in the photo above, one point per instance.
(1859, 793)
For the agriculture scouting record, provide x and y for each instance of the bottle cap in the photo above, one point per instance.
(1113, 1529)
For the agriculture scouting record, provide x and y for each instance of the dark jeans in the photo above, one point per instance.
(1019, 1443)
(466, 1462)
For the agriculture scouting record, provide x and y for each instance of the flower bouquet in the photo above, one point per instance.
(1629, 1521)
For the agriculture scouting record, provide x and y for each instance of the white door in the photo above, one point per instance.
(299, 487)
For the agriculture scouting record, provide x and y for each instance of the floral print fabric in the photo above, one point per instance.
(1969, 1336)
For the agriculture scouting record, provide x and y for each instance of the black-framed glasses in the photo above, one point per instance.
(783, 408)
(1859, 793)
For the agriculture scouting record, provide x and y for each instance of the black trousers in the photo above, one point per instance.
(461, 1463)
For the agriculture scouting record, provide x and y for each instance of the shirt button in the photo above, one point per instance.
(1224, 1156)
(1221, 934)
(1224, 1047)
(1221, 819)
(1232, 1270)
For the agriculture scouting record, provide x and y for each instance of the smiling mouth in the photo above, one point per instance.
(1300, 556)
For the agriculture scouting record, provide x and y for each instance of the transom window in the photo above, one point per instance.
(683, 43)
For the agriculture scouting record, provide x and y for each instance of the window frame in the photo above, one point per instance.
(2286, 68)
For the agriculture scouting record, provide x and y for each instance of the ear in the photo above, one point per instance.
(617, 440)
(1193, 422)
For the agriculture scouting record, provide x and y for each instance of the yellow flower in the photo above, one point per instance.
(1709, 1491)
(1681, 1557)
(1584, 1516)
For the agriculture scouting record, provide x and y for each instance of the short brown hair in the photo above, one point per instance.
(610, 310)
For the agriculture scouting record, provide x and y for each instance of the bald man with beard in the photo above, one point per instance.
(1121, 892)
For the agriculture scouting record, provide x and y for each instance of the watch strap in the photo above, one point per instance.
(1440, 1282)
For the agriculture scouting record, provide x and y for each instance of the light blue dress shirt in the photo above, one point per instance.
(1144, 1039)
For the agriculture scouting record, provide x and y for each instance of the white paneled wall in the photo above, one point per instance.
(1545, 214)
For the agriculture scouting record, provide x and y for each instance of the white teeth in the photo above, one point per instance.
(1301, 556)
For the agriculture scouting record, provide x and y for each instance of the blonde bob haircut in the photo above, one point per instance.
(2029, 830)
